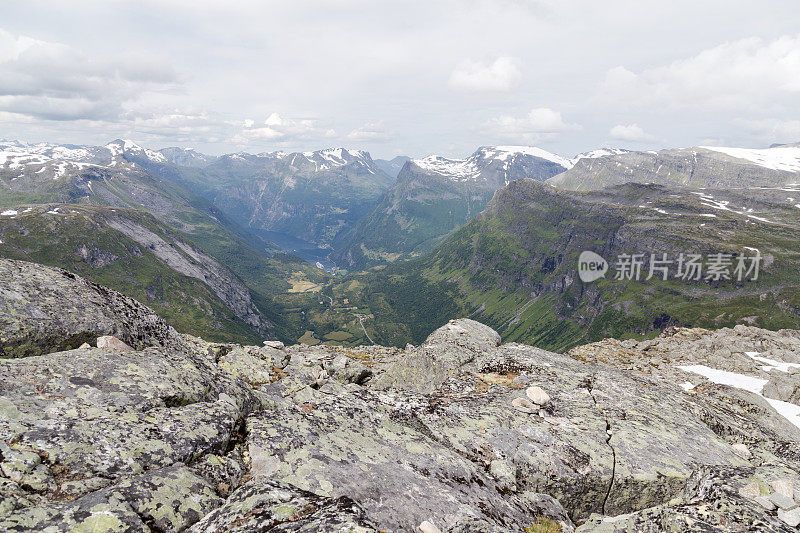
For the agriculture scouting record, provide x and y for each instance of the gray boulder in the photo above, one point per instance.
(45, 310)
(446, 350)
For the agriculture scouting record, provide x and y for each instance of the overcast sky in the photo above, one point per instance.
(401, 77)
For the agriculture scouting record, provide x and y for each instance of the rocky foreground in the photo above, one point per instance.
(112, 421)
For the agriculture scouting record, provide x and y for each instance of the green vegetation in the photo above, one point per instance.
(513, 268)
(80, 240)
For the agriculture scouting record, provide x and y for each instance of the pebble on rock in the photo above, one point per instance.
(742, 450)
(524, 405)
(537, 395)
(783, 501)
(751, 491)
(790, 518)
(427, 527)
(783, 486)
(112, 344)
(765, 502)
(278, 345)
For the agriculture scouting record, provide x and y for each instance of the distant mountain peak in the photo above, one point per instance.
(127, 147)
(594, 154)
(502, 153)
(473, 167)
(453, 169)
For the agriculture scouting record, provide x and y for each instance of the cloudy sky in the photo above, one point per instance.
(401, 77)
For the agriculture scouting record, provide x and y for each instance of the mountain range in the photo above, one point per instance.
(203, 239)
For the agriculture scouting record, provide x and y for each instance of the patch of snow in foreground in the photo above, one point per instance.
(789, 411)
(772, 363)
(8, 213)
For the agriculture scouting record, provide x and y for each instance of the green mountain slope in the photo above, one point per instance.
(142, 257)
(121, 176)
(135, 253)
(514, 266)
(311, 196)
(434, 196)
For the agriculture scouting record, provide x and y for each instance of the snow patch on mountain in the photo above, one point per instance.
(594, 154)
(126, 147)
(455, 169)
(502, 153)
(785, 158)
(470, 169)
(332, 158)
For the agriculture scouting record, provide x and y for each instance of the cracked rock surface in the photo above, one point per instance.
(179, 434)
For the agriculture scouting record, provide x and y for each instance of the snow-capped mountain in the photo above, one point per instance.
(594, 154)
(314, 196)
(332, 158)
(59, 160)
(132, 151)
(699, 166)
(434, 195)
(785, 158)
(186, 157)
(494, 165)
(48, 161)
(309, 162)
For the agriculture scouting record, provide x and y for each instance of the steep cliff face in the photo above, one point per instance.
(141, 257)
(176, 433)
(312, 196)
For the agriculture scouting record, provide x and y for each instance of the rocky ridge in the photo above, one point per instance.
(459, 434)
(699, 166)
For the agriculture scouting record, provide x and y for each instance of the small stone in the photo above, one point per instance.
(783, 486)
(226, 398)
(790, 518)
(85, 346)
(427, 527)
(750, 491)
(537, 395)
(765, 502)
(742, 450)
(783, 501)
(278, 345)
(112, 344)
(524, 405)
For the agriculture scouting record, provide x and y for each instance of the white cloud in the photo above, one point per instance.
(52, 81)
(772, 129)
(748, 74)
(280, 129)
(630, 132)
(371, 131)
(540, 123)
(503, 74)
